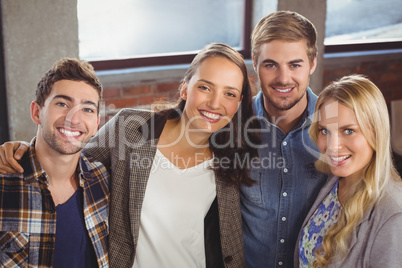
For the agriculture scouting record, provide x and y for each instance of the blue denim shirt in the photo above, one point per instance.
(287, 183)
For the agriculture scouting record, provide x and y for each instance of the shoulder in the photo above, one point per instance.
(311, 101)
(257, 103)
(92, 168)
(135, 116)
(10, 179)
(388, 208)
(391, 201)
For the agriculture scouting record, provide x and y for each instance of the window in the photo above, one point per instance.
(363, 25)
(129, 33)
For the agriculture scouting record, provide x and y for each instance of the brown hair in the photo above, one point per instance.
(284, 25)
(233, 172)
(67, 69)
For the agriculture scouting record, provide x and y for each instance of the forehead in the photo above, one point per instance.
(220, 71)
(333, 111)
(282, 50)
(79, 90)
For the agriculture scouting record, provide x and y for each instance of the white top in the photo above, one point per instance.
(172, 217)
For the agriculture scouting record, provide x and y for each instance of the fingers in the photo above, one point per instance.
(22, 148)
(8, 163)
(5, 168)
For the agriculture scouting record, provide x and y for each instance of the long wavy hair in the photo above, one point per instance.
(232, 159)
(366, 100)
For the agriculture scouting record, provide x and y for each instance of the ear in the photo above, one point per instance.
(254, 64)
(313, 65)
(35, 111)
(183, 91)
(97, 126)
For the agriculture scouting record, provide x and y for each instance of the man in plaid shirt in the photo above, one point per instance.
(55, 213)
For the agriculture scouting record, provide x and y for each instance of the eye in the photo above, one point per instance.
(349, 131)
(88, 110)
(269, 65)
(231, 94)
(295, 66)
(323, 131)
(203, 88)
(61, 104)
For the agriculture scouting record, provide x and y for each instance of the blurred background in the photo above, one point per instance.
(141, 49)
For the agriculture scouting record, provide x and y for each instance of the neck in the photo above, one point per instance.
(179, 133)
(183, 148)
(286, 120)
(60, 168)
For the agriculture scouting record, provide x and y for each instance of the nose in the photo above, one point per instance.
(214, 101)
(73, 116)
(284, 76)
(334, 143)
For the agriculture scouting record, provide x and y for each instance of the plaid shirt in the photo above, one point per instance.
(28, 213)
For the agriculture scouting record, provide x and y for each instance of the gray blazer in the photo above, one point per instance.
(377, 241)
(127, 144)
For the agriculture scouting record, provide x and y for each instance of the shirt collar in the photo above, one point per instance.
(34, 171)
(308, 113)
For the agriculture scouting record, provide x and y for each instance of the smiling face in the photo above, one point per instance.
(212, 95)
(341, 140)
(284, 71)
(68, 118)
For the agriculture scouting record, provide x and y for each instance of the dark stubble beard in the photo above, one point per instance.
(51, 140)
(287, 107)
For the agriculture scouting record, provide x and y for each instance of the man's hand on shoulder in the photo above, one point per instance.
(10, 153)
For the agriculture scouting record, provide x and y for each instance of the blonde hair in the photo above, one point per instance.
(284, 25)
(366, 100)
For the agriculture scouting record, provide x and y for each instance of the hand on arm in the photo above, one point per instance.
(10, 153)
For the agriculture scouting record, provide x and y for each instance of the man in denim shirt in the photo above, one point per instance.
(284, 54)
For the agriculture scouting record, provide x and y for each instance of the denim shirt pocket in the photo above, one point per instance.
(253, 193)
(14, 247)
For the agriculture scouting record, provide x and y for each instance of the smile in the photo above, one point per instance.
(211, 116)
(285, 90)
(340, 158)
(68, 133)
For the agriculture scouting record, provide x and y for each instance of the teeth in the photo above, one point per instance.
(284, 90)
(338, 159)
(69, 133)
(210, 115)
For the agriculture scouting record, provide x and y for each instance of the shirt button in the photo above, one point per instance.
(285, 170)
(280, 263)
(282, 241)
(284, 143)
(285, 194)
(283, 218)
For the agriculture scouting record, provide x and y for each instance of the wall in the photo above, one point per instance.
(36, 33)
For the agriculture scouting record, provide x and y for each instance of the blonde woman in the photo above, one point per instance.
(356, 220)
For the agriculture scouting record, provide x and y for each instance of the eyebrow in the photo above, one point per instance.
(290, 62)
(68, 98)
(342, 127)
(212, 84)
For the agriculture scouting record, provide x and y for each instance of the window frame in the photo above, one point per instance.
(364, 45)
(176, 58)
(4, 124)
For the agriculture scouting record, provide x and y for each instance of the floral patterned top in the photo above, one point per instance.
(323, 218)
